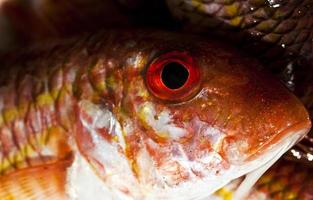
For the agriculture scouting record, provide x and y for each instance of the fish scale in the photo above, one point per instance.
(35, 109)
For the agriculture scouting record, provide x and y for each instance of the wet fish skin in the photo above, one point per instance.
(88, 98)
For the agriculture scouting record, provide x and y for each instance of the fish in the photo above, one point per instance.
(272, 29)
(139, 114)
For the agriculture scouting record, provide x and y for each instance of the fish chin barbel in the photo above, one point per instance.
(140, 115)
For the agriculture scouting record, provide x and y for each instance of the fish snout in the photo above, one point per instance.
(265, 123)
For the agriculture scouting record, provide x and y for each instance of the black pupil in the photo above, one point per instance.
(174, 75)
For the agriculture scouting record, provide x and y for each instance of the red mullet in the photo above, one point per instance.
(139, 115)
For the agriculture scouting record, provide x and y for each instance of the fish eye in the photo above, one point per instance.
(173, 76)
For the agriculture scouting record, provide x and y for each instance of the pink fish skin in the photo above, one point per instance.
(108, 104)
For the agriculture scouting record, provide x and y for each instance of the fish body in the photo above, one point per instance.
(107, 116)
(262, 25)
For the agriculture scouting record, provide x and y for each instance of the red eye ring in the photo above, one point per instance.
(158, 86)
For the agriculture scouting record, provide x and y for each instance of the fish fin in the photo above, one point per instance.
(36, 183)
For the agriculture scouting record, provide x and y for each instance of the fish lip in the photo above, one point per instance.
(271, 155)
(305, 126)
(258, 163)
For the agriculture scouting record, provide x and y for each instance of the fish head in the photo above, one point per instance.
(181, 119)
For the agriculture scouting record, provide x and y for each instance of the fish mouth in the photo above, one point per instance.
(270, 153)
(298, 130)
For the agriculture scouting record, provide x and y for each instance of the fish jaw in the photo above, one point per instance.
(268, 158)
(242, 187)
